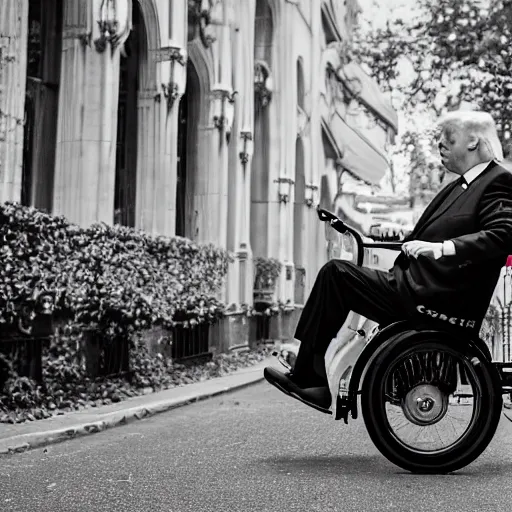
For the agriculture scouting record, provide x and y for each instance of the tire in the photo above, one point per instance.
(485, 415)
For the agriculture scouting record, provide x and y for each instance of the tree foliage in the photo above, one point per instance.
(454, 51)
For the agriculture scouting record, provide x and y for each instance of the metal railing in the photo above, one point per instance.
(101, 358)
(25, 355)
(191, 342)
(114, 358)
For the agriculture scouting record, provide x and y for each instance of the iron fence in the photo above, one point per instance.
(114, 358)
(190, 342)
(25, 355)
(101, 358)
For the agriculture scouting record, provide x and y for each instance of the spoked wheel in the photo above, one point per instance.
(428, 407)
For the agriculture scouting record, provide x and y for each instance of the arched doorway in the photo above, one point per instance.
(188, 116)
(44, 50)
(298, 222)
(264, 34)
(132, 55)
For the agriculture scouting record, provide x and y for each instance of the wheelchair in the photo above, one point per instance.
(431, 399)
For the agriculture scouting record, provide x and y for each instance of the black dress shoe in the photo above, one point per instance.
(283, 381)
(317, 397)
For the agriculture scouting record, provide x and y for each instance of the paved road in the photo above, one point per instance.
(253, 450)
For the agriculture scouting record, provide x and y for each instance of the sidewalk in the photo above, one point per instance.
(25, 436)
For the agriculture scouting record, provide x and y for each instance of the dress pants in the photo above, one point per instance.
(341, 287)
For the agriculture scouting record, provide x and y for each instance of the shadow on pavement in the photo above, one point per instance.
(373, 464)
(327, 464)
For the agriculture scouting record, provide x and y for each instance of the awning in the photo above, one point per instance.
(367, 90)
(358, 155)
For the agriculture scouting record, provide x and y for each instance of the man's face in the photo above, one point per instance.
(453, 148)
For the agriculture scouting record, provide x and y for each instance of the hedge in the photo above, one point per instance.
(113, 278)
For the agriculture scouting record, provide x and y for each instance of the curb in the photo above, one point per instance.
(25, 442)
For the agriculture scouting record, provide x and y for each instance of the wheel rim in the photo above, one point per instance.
(425, 404)
(432, 399)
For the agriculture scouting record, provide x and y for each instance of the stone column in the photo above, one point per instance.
(212, 168)
(68, 157)
(13, 69)
(209, 175)
(178, 22)
(229, 102)
(148, 151)
(87, 124)
(85, 163)
(240, 277)
(156, 162)
(174, 73)
(288, 110)
(166, 192)
(100, 137)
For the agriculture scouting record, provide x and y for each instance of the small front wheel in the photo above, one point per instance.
(429, 407)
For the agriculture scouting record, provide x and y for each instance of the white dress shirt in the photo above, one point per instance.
(474, 172)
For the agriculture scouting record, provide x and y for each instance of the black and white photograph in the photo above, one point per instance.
(255, 255)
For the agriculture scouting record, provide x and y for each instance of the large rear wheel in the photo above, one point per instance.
(428, 406)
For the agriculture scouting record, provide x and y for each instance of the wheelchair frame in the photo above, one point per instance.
(348, 404)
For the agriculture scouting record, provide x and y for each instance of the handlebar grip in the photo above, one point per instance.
(336, 222)
(325, 215)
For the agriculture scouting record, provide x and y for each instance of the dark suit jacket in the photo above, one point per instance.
(458, 289)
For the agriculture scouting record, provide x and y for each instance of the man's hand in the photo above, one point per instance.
(416, 248)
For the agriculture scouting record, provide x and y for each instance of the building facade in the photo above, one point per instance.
(224, 121)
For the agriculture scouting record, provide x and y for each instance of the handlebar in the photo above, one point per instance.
(341, 227)
(338, 224)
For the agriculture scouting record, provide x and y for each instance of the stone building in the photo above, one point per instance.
(225, 121)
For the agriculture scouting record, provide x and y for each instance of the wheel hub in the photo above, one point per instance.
(425, 404)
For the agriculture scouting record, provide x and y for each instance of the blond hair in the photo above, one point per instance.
(481, 125)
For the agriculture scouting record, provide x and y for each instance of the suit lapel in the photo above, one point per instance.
(445, 204)
(431, 214)
(431, 209)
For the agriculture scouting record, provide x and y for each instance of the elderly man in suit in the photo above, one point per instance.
(446, 272)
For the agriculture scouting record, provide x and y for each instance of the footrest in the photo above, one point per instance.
(505, 371)
(342, 409)
(346, 405)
